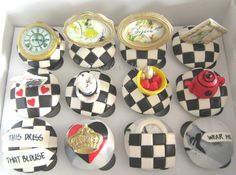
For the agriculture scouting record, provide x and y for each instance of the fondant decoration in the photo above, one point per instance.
(37, 101)
(29, 80)
(195, 55)
(30, 146)
(91, 40)
(143, 39)
(156, 103)
(89, 145)
(155, 81)
(200, 107)
(150, 145)
(208, 143)
(41, 46)
(205, 32)
(205, 84)
(97, 99)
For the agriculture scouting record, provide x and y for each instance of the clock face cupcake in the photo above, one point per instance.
(147, 91)
(91, 93)
(89, 145)
(41, 46)
(30, 146)
(35, 94)
(201, 92)
(91, 40)
(150, 144)
(208, 143)
(143, 39)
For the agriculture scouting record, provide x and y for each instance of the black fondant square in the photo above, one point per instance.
(142, 54)
(135, 162)
(147, 151)
(163, 95)
(21, 103)
(177, 49)
(12, 93)
(159, 139)
(133, 73)
(158, 107)
(215, 102)
(33, 112)
(31, 91)
(87, 106)
(45, 101)
(77, 59)
(144, 105)
(91, 58)
(193, 104)
(129, 100)
(105, 57)
(159, 162)
(105, 78)
(39, 122)
(55, 89)
(132, 62)
(170, 150)
(135, 139)
(216, 47)
(188, 57)
(161, 54)
(112, 89)
(199, 64)
(130, 86)
(74, 48)
(205, 112)
(198, 47)
(180, 95)
(102, 96)
(123, 53)
(209, 56)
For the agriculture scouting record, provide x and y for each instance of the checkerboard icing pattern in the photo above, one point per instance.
(152, 150)
(53, 60)
(199, 107)
(36, 101)
(105, 100)
(141, 103)
(52, 146)
(92, 57)
(140, 58)
(195, 55)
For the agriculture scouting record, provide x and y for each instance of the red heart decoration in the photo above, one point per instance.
(44, 89)
(31, 102)
(19, 92)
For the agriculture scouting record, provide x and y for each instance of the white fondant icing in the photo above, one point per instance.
(88, 87)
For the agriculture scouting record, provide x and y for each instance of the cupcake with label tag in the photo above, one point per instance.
(41, 46)
(30, 146)
(91, 40)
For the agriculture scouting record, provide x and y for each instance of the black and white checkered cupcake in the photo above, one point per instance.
(91, 40)
(37, 101)
(91, 93)
(150, 145)
(195, 55)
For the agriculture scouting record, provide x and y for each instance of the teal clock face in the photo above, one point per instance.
(37, 40)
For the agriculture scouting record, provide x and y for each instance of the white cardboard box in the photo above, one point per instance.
(179, 12)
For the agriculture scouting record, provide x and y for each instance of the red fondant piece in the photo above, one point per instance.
(19, 92)
(145, 84)
(93, 155)
(157, 79)
(154, 86)
(31, 102)
(44, 89)
(74, 129)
